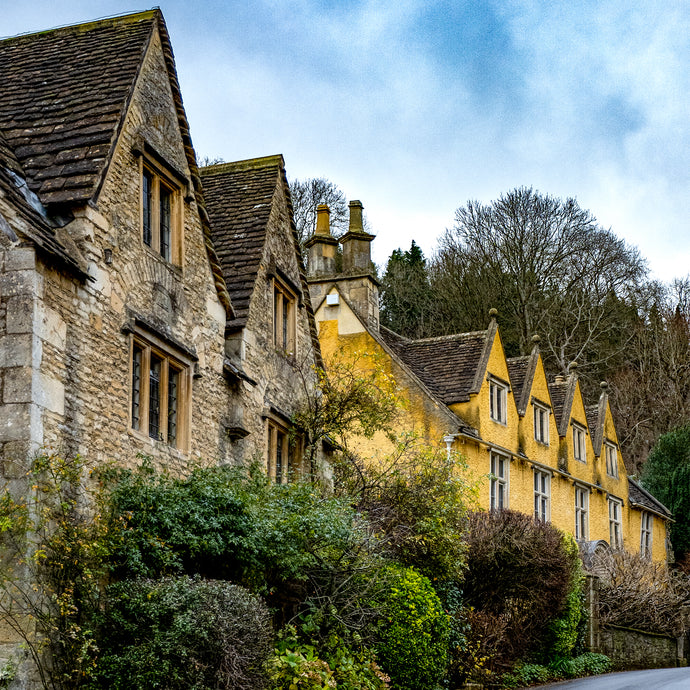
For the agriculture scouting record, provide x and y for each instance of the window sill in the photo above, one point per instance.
(159, 446)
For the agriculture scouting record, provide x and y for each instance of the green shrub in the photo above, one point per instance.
(297, 665)
(588, 664)
(520, 572)
(563, 632)
(183, 633)
(414, 632)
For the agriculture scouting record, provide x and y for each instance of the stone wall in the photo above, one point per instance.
(631, 649)
(84, 358)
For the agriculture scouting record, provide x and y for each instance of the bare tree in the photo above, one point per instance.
(307, 195)
(547, 266)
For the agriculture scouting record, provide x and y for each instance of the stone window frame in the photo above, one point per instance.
(542, 495)
(499, 481)
(284, 317)
(283, 452)
(646, 534)
(498, 400)
(581, 513)
(542, 419)
(161, 179)
(615, 523)
(147, 346)
(579, 442)
(611, 455)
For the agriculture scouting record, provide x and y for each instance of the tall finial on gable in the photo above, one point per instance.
(493, 313)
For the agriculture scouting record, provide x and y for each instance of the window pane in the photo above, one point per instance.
(136, 387)
(154, 397)
(173, 392)
(280, 443)
(165, 206)
(148, 206)
(285, 324)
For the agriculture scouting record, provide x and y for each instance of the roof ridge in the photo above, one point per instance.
(517, 358)
(247, 164)
(114, 19)
(450, 337)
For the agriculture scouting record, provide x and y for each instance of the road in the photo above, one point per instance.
(654, 679)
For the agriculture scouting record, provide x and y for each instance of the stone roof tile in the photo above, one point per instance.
(447, 365)
(238, 199)
(637, 494)
(64, 92)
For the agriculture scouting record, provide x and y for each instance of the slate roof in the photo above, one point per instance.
(64, 92)
(642, 497)
(517, 371)
(447, 365)
(592, 414)
(239, 198)
(559, 393)
(63, 97)
(38, 228)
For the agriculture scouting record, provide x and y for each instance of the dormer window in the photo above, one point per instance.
(161, 213)
(284, 317)
(498, 395)
(611, 459)
(541, 423)
(579, 446)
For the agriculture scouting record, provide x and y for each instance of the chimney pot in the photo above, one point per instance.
(356, 224)
(323, 220)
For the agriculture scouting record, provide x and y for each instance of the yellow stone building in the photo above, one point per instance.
(533, 444)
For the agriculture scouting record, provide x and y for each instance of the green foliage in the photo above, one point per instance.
(414, 632)
(563, 631)
(407, 302)
(589, 664)
(183, 633)
(298, 665)
(56, 546)
(417, 501)
(519, 574)
(666, 475)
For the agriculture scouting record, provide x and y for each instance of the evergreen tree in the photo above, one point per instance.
(666, 475)
(406, 297)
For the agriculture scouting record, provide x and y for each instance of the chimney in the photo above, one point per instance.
(322, 246)
(356, 243)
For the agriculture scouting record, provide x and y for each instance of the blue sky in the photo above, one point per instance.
(416, 106)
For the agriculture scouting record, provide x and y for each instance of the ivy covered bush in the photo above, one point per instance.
(183, 633)
(413, 632)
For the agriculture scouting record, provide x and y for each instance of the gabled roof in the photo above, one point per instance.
(562, 393)
(452, 366)
(640, 497)
(521, 371)
(65, 93)
(239, 198)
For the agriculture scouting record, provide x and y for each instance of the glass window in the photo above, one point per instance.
(646, 535)
(611, 460)
(579, 443)
(541, 423)
(615, 525)
(159, 227)
(158, 382)
(542, 495)
(500, 467)
(498, 394)
(581, 513)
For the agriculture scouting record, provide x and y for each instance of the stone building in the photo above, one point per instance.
(131, 322)
(532, 444)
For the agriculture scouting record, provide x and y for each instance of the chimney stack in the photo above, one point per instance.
(322, 246)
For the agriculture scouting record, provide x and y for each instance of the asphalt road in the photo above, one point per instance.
(655, 679)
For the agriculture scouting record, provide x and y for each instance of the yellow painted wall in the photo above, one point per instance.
(339, 328)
